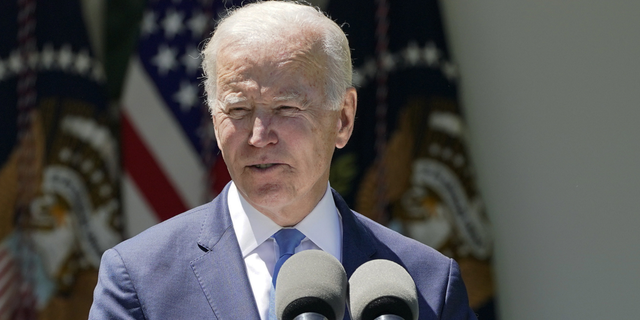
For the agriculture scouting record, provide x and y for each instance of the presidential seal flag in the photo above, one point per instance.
(407, 163)
(60, 166)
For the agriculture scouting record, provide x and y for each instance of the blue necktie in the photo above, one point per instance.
(288, 240)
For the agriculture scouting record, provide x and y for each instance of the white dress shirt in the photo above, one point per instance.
(322, 228)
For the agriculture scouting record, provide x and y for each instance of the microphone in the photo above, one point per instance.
(311, 284)
(382, 289)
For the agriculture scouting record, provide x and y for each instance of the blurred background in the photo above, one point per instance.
(502, 133)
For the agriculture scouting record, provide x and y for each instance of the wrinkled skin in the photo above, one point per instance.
(274, 126)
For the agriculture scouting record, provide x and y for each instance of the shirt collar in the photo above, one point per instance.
(322, 226)
(252, 227)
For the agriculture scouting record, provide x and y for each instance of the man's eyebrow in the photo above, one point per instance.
(288, 97)
(292, 96)
(232, 100)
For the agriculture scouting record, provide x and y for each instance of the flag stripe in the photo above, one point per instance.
(163, 136)
(8, 293)
(8, 282)
(147, 174)
(138, 214)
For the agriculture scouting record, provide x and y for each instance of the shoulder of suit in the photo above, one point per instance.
(399, 243)
(180, 228)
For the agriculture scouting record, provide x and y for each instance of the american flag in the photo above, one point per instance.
(169, 154)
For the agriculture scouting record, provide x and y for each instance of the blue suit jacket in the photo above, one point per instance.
(191, 267)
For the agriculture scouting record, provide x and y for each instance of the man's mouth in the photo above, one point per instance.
(264, 165)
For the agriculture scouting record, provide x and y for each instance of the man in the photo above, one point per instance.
(278, 80)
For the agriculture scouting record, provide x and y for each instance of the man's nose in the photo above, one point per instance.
(262, 133)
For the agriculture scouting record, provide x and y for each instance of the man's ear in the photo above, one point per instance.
(347, 117)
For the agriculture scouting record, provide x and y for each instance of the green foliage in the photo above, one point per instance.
(343, 172)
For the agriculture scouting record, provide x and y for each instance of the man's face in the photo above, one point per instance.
(274, 127)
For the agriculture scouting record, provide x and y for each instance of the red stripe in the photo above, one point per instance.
(150, 179)
(9, 292)
(8, 274)
(6, 292)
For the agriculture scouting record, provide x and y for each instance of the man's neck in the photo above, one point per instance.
(291, 214)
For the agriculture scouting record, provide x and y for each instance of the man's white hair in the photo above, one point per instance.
(261, 21)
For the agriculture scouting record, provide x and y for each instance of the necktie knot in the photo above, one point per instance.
(288, 240)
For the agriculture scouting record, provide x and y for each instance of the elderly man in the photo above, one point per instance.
(279, 88)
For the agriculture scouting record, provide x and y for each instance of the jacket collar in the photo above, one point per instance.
(221, 269)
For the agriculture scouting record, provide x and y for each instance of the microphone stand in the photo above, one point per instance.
(317, 316)
(311, 316)
(389, 317)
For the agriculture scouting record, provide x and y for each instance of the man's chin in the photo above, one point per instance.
(268, 196)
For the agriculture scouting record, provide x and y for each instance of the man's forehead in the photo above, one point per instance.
(274, 43)
(276, 80)
(246, 61)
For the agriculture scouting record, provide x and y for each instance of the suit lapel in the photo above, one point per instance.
(358, 246)
(221, 270)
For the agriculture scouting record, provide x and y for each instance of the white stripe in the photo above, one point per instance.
(138, 215)
(8, 283)
(164, 136)
(9, 275)
(5, 259)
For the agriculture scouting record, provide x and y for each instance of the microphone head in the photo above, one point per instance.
(311, 281)
(382, 287)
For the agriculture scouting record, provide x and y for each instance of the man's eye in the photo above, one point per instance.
(288, 109)
(238, 111)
